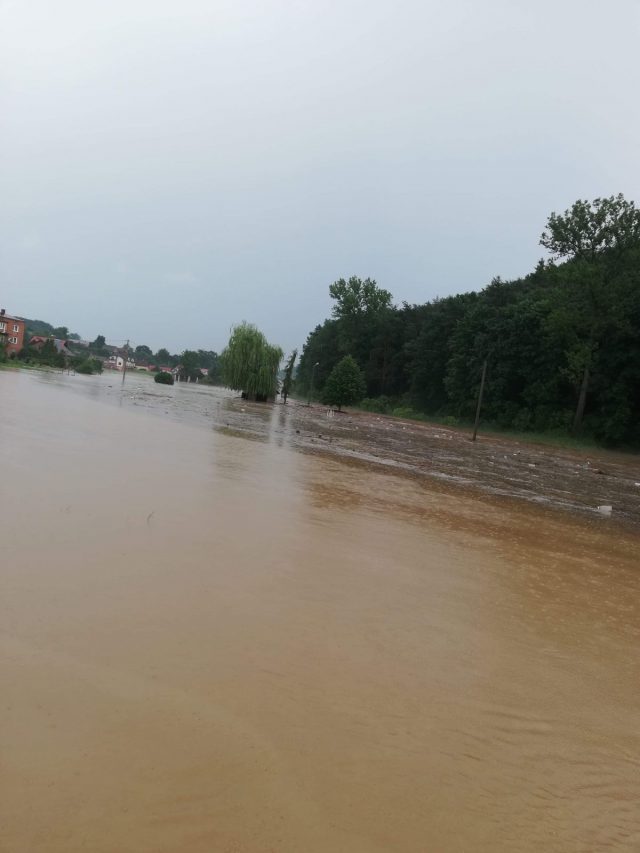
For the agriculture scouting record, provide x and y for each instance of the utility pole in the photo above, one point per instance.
(313, 373)
(124, 364)
(479, 406)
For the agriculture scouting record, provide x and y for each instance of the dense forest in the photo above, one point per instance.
(562, 344)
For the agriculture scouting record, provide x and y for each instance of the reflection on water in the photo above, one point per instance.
(213, 643)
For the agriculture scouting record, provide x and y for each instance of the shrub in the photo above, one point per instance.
(382, 404)
(163, 378)
(89, 366)
(450, 420)
(403, 412)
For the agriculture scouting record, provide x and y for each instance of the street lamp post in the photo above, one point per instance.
(313, 373)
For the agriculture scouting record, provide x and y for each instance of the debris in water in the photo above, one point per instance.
(605, 509)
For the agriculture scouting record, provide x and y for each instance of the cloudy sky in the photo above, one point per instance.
(171, 167)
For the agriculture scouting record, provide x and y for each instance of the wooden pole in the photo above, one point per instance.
(126, 356)
(480, 394)
(582, 400)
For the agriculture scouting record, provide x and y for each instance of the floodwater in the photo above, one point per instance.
(213, 643)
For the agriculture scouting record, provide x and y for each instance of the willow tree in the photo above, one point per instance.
(250, 363)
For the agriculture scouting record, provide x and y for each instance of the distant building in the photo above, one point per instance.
(38, 341)
(116, 361)
(11, 333)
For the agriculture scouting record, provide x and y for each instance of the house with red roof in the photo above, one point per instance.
(12, 331)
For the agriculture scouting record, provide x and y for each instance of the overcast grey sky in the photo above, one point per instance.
(171, 168)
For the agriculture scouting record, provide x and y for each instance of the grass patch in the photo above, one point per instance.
(552, 438)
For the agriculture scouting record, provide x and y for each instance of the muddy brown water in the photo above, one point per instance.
(213, 643)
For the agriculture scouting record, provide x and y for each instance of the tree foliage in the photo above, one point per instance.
(563, 337)
(99, 346)
(163, 378)
(189, 366)
(355, 297)
(88, 366)
(345, 384)
(250, 364)
(588, 228)
(143, 352)
(47, 354)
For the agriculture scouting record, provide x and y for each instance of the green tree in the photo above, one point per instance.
(37, 327)
(563, 342)
(99, 346)
(355, 297)
(322, 347)
(366, 330)
(211, 360)
(143, 352)
(163, 357)
(588, 228)
(593, 235)
(189, 365)
(287, 382)
(250, 364)
(345, 384)
(428, 349)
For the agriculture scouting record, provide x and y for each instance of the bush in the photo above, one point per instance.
(89, 366)
(450, 421)
(163, 378)
(404, 412)
(382, 405)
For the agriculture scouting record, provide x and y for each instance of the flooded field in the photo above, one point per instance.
(215, 642)
(564, 479)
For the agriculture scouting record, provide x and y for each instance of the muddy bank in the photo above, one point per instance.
(501, 466)
(578, 481)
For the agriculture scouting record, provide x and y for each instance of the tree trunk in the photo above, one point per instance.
(582, 401)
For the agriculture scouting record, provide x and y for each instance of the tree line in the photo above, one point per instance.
(87, 358)
(189, 361)
(562, 344)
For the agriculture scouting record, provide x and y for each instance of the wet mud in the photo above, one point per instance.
(587, 482)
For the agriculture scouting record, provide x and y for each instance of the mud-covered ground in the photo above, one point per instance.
(586, 481)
